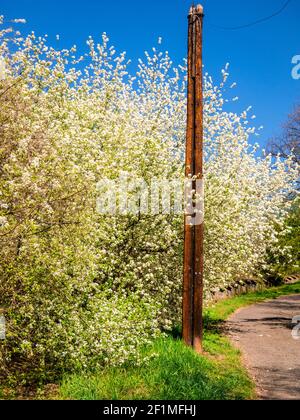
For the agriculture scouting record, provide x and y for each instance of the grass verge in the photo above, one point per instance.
(176, 372)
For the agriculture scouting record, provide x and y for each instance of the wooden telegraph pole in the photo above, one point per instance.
(194, 232)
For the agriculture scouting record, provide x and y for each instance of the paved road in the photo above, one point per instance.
(263, 333)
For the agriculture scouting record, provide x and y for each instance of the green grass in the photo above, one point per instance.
(222, 310)
(176, 372)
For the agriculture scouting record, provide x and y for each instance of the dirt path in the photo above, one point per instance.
(263, 333)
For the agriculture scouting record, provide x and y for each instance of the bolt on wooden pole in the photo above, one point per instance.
(194, 232)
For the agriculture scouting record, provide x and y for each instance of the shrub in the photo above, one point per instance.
(80, 289)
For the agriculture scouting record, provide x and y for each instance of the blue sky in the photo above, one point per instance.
(260, 57)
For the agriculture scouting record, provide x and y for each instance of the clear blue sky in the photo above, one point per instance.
(260, 56)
